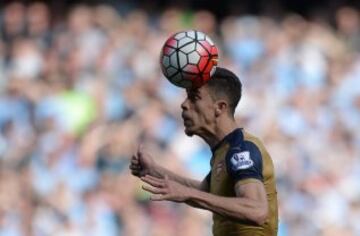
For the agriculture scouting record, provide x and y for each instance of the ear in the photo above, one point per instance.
(221, 107)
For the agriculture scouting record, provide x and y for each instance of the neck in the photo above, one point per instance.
(217, 133)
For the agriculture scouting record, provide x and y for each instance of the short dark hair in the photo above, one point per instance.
(225, 84)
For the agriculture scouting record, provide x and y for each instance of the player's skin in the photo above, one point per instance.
(211, 120)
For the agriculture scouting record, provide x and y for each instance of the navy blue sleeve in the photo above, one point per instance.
(244, 163)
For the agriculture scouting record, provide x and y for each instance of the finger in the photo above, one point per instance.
(154, 182)
(135, 158)
(158, 197)
(135, 167)
(155, 178)
(136, 170)
(140, 149)
(135, 161)
(153, 189)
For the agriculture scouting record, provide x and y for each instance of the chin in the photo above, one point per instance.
(188, 132)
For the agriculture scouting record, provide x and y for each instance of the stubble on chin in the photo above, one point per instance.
(188, 132)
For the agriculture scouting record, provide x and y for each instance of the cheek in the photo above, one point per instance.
(206, 115)
(209, 117)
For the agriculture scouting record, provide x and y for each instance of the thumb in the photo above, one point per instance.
(140, 149)
(140, 154)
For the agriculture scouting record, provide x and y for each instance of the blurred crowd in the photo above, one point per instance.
(79, 94)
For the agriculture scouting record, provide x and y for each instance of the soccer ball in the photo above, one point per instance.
(188, 59)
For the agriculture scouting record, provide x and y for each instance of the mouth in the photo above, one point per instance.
(187, 123)
(186, 119)
(184, 116)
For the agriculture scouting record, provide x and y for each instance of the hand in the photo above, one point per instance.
(142, 164)
(165, 189)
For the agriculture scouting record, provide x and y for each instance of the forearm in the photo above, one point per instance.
(161, 172)
(233, 207)
(249, 204)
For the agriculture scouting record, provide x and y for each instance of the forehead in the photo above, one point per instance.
(202, 91)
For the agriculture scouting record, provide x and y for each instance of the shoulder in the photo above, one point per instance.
(245, 142)
(254, 142)
(252, 139)
(244, 158)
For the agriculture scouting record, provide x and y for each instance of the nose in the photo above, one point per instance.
(184, 105)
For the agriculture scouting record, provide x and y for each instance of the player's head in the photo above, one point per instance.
(205, 106)
(225, 85)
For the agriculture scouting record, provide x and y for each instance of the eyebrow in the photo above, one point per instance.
(193, 91)
(193, 95)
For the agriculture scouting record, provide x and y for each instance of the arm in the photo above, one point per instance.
(250, 202)
(162, 172)
(204, 187)
(142, 164)
(200, 186)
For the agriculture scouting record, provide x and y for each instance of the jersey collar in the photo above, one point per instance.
(231, 138)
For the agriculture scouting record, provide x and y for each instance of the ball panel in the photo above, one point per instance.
(183, 61)
(180, 35)
(191, 34)
(206, 46)
(200, 36)
(175, 79)
(191, 69)
(208, 39)
(167, 51)
(171, 71)
(171, 42)
(203, 63)
(197, 81)
(201, 50)
(166, 61)
(208, 67)
(214, 52)
(189, 48)
(194, 57)
(185, 83)
(174, 60)
(184, 41)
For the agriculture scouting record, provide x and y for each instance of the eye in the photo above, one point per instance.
(194, 97)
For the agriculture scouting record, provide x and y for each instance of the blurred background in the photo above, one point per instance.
(80, 87)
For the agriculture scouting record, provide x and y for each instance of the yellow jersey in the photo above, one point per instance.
(242, 157)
